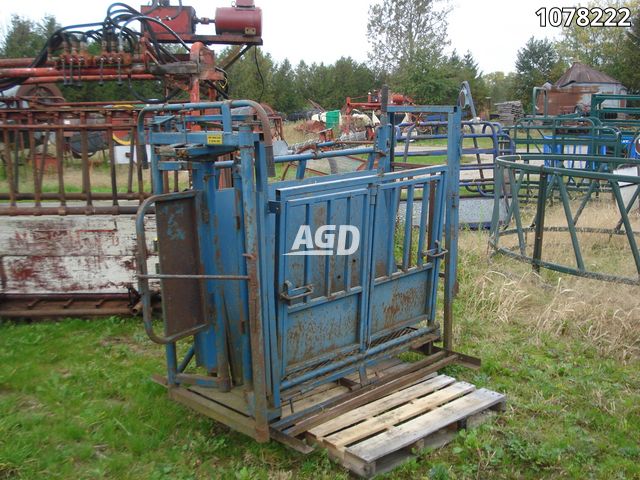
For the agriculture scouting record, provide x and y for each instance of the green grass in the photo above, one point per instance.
(76, 400)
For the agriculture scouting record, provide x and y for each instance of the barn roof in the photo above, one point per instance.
(581, 73)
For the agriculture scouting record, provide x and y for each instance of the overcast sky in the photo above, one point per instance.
(323, 31)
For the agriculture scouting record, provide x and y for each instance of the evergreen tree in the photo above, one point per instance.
(402, 32)
(537, 62)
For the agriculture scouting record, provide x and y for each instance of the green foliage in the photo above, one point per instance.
(613, 50)
(288, 89)
(432, 79)
(537, 62)
(400, 31)
(286, 97)
(252, 76)
(499, 86)
(26, 38)
(407, 46)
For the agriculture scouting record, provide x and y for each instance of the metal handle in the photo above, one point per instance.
(143, 274)
(436, 253)
(291, 293)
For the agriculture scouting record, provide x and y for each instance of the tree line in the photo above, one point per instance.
(409, 51)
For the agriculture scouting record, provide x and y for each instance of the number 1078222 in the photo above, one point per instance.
(584, 17)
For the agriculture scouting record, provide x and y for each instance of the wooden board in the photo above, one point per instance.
(376, 437)
(73, 254)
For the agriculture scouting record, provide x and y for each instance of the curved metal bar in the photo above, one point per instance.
(175, 107)
(143, 274)
(559, 178)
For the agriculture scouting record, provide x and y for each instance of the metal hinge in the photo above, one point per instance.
(274, 207)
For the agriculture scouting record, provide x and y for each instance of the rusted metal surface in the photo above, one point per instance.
(50, 150)
(84, 160)
(179, 253)
(37, 306)
(70, 255)
(560, 101)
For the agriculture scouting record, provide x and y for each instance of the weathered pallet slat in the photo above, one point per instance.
(381, 405)
(374, 437)
(410, 432)
(391, 418)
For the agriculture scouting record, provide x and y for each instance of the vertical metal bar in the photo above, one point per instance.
(347, 260)
(34, 166)
(282, 266)
(253, 260)
(540, 214)
(515, 208)
(570, 223)
(391, 235)
(172, 363)
(302, 166)
(60, 164)
(426, 192)
(367, 263)
(266, 271)
(306, 266)
(43, 158)
(451, 223)
(329, 261)
(10, 176)
(165, 182)
(112, 163)
(436, 214)
(408, 230)
(431, 235)
(140, 148)
(498, 179)
(132, 151)
(19, 147)
(627, 224)
(86, 181)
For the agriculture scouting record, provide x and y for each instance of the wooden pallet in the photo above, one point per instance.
(376, 437)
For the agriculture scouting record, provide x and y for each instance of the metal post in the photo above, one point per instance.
(539, 231)
(252, 255)
(451, 222)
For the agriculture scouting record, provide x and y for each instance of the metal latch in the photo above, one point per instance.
(290, 293)
(435, 252)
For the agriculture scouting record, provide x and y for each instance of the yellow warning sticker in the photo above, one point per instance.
(214, 138)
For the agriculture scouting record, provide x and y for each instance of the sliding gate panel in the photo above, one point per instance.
(409, 217)
(357, 262)
(322, 244)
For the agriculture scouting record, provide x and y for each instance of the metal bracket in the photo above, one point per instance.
(275, 207)
(461, 358)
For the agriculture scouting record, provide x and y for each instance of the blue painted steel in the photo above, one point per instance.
(297, 320)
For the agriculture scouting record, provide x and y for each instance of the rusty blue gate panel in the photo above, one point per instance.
(302, 282)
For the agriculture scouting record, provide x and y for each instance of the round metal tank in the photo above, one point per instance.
(239, 20)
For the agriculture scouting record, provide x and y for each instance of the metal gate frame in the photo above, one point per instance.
(200, 150)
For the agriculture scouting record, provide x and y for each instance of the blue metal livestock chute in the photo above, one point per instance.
(275, 291)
